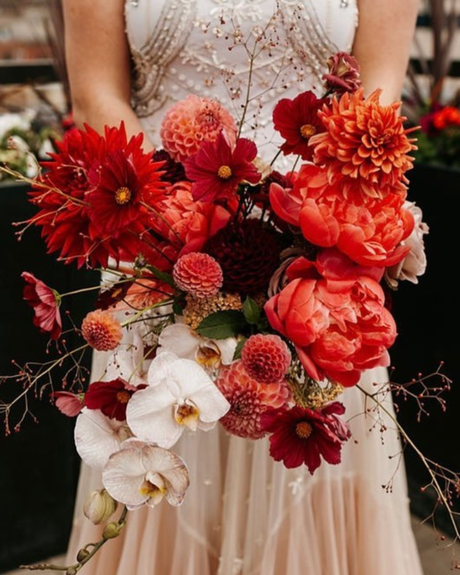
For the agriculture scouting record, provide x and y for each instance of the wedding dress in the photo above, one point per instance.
(245, 514)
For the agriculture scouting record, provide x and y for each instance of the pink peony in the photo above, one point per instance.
(248, 400)
(191, 122)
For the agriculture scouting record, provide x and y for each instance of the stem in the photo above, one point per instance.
(73, 569)
(424, 460)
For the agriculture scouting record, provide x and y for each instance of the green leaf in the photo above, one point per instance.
(238, 349)
(163, 276)
(222, 324)
(251, 311)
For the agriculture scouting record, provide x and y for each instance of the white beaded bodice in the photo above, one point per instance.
(246, 53)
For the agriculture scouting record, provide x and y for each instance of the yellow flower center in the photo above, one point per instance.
(208, 356)
(123, 195)
(123, 397)
(224, 172)
(307, 131)
(303, 429)
(154, 489)
(187, 414)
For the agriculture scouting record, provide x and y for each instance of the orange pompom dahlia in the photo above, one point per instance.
(365, 146)
(192, 121)
(101, 330)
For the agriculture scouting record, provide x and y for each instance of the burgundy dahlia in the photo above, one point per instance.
(248, 254)
(172, 171)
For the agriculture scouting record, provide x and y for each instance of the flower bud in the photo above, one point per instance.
(99, 506)
(344, 75)
(71, 571)
(112, 530)
(82, 555)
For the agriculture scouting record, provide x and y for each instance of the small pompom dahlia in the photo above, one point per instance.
(192, 121)
(266, 358)
(198, 274)
(101, 330)
(248, 400)
(248, 253)
(365, 148)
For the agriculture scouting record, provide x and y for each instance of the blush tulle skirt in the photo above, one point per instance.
(246, 514)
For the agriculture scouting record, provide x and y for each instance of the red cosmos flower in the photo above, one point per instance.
(367, 230)
(300, 435)
(68, 403)
(218, 168)
(45, 303)
(446, 117)
(364, 148)
(110, 397)
(90, 197)
(297, 121)
(340, 327)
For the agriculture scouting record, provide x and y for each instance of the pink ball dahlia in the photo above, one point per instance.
(266, 358)
(192, 121)
(101, 330)
(248, 400)
(198, 274)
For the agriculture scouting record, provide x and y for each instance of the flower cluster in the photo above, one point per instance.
(233, 294)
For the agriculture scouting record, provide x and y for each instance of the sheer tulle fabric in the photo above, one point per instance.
(245, 514)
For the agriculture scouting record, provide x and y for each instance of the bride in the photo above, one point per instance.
(245, 513)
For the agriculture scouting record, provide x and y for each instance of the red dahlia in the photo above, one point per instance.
(297, 121)
(301, 435)
(45, 303)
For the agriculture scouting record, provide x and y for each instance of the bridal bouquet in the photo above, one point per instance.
(232, 293)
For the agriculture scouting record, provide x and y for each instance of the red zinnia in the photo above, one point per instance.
(297, 121)
(302, 435)
(110, 397)
(45, 303)
(218, 168)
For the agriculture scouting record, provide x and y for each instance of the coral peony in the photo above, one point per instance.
(365, 148)
(198, 274)
(370, 231)
(248, 400)
(218, 168)
(297, 121)
(300, 435)
(181, 225)
(191, 122)
(335, 316)
(101, 330)
(45, 303)
(266, 358)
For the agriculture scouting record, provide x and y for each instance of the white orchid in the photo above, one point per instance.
(180, 395)
(181, 340)
(141, 473)
(97, 437)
